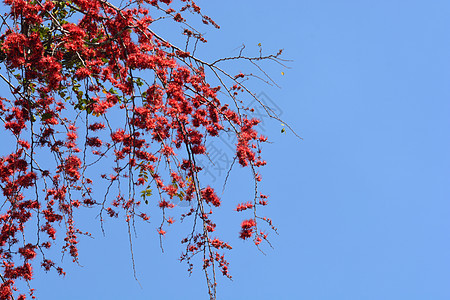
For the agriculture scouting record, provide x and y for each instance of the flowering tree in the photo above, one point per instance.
(91, 83)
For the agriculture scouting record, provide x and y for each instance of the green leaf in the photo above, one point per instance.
(139, 82)
(46, 116)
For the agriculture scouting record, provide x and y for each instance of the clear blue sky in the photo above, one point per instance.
(362, 204)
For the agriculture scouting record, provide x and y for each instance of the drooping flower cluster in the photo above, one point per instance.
(106, 85)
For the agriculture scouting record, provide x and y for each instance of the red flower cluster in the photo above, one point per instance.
(72, 166)
(244, 206)
(210, 196)
(247, 228)
(165, 204)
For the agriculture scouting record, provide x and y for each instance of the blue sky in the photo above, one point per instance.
(361, 204)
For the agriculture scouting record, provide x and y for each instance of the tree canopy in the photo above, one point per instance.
(93, 84)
